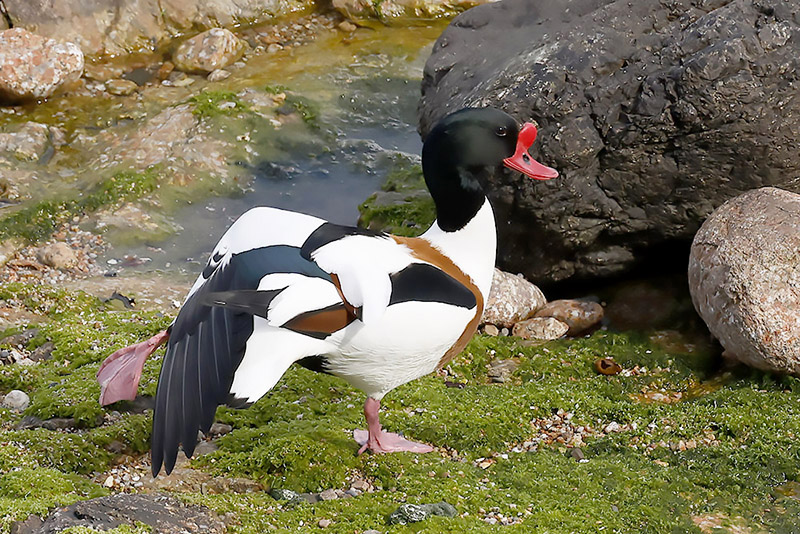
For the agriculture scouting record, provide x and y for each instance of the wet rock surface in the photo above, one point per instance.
(654, 114)
(34, 66)
(164, 513)
(211, 50)
(744, 277)
(511, 299)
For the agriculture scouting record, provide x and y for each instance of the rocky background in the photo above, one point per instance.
(614, 406)
(654, 113)
(102, 27)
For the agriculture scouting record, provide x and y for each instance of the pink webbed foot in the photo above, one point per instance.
(376, 440)
(120, 373)
(388, 442)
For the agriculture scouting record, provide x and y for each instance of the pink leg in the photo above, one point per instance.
(376, 440)
(120, 373)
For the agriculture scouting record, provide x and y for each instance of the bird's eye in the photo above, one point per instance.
(501, 131)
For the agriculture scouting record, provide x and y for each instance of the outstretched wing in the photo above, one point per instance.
(276, 287)
(255, 276)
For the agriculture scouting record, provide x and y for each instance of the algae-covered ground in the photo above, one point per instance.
(671, 444)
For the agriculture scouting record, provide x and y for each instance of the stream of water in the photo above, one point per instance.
(367, 90)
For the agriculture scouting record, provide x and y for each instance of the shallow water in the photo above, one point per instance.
(366, 89)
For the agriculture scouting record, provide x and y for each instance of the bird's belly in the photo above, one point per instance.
(406, 343)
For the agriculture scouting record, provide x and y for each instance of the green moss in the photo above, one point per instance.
(743, 429)
(409, 212)
(306, 108)
(37, 490)
(207, 103)
(38, 221)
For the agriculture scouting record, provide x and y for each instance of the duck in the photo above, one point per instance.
(374, 309)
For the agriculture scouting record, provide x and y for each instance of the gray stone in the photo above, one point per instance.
(579, 315)
(744, 278)
(653, 112)
(218, 75)
(511, 299)
(220, 429)
(59, 423)
(21, 339)
(163, 512)
(121, 87)
(16, 400)
(28, 422)
(540, 329)
(211, 50)
(413, 513)
(35, 67)
(328, 495)
(280, 494)
(501, 370)
(43, 352)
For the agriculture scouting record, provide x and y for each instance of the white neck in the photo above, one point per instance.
(472, 248)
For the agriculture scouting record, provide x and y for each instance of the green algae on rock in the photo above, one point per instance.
(403, 206)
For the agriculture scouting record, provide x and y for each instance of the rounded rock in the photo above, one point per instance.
(744, 278)
(35, 67)
(209, 51)
(58, 256)
(511, 299)
(540, 329)
(218, 75)
(580, 315)
(16, 400)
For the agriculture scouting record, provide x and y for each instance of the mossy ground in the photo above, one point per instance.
(743, 426)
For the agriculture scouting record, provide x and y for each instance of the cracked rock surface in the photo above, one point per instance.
(654, 113)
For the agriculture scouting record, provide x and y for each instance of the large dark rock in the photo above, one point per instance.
(655, 112)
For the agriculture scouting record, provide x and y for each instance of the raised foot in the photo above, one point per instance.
(387, 442)
(120, 373)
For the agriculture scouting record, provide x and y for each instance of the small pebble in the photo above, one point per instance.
(347, 26)
(491, 330)
(16, 400)
(328, 495)
(121, 87)
(324, 523)
(218, 75)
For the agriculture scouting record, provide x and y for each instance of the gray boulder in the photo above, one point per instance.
(744, 277)
(654, 113)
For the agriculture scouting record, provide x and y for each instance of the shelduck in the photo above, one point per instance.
(374, 309)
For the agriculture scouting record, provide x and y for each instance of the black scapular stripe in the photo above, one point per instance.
(426, 283)
(329, 232)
